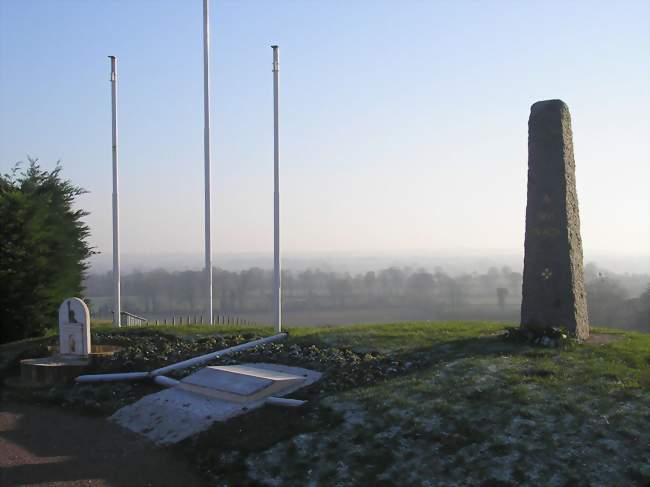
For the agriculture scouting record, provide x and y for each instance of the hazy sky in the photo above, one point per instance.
(404, 123)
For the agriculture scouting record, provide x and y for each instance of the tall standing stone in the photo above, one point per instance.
(553, 292)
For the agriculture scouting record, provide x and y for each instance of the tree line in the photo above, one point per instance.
(495, 294)
(250, 290)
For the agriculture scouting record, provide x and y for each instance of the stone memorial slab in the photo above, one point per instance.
(239, 383)
(74, 328)
(553, 292)
(174, 414)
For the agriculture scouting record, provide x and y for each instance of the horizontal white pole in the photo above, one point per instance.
(283, 401)
(201, 359)
(113, 377)
(165, 381)
(210, 356)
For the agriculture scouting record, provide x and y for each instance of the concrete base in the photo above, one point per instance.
(47, 371)
(174, 414)
(58, 369)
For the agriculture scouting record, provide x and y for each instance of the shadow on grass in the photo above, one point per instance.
(225, 447)
(479, 347)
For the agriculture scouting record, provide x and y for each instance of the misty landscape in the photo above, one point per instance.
(313, 296)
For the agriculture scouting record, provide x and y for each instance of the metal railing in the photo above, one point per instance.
(190, 319)
(129, 319)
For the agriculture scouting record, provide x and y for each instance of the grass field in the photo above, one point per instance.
(373, 314)
(419, 404)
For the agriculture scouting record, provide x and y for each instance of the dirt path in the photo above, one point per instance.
(49, 447)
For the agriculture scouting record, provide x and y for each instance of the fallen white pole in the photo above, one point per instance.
(210, 356)
(116, 200)
(113, 377)
(277, 276)
(158, 373)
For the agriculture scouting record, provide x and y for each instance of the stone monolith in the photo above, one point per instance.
(553, 292)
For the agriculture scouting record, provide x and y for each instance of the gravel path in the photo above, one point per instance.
(49, 447)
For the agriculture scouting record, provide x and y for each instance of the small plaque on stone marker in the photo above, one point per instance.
(74, 327)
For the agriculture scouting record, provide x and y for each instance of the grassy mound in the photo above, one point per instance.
(415, 404)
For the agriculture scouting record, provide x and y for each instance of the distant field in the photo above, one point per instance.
(325, 317)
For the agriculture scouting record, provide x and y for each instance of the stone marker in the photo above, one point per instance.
(553, 292)
(74, 328)
(71, 358)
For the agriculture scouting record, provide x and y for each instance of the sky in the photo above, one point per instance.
(403, 123)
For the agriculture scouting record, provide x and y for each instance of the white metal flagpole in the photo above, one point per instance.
(277, 282)
(206, 152)
(116, 200)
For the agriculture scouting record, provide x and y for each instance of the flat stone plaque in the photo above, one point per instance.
(239, 383)
(174, 414)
